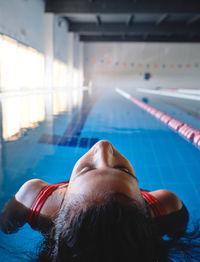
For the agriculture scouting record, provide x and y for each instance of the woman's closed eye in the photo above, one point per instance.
(85, 169)
(88, 168)
(124, 169)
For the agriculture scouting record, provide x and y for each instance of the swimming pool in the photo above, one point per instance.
(48, 147)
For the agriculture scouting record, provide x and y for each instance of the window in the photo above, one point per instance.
(21, 67)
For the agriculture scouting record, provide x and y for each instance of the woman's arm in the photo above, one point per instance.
(16, 210)
(13, 216)
(176, 218)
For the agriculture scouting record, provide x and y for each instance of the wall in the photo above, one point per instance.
(23, 21)
(26, 22)
(172, 65)
(60, 39)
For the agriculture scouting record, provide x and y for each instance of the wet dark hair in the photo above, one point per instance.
(113, 230)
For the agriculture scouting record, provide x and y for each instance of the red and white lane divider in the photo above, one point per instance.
(187, 131)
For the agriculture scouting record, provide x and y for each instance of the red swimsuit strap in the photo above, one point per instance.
(154, 204)
(40, 200)
(48, 190)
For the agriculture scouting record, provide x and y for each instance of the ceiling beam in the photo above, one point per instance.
(193, 20)
(130, 20)
(120, 38)
(64, 7)
(93, 28)
(99, 22)
(162, 19)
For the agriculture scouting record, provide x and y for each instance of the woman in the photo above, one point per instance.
(101, 214)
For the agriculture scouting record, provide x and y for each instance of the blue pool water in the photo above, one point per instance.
(161, 157)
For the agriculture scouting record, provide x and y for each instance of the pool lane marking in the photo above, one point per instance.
(71, 136)
(81, 142)
(168, 93)
(188, 132)
(77, 123)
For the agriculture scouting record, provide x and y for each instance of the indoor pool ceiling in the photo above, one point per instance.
(130, 21)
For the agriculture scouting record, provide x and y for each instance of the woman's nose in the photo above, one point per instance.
(103, 154)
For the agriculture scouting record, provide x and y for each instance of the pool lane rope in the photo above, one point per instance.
(188, 132)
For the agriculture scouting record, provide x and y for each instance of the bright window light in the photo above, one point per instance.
(20, 113)
(21, 67)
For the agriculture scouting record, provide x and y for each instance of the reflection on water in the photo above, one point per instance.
(24, 112)
(1, 156)
(19, 113)
(23, 120)
(60, 103)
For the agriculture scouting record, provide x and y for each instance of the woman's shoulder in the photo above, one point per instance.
(29, 191)
(168, 200)
(176, 218)
(15, 211)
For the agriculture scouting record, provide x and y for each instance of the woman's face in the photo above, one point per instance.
(101, 171)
